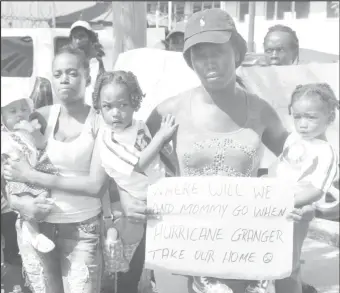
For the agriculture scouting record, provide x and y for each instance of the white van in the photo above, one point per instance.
(27, 54)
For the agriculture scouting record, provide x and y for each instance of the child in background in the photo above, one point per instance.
(19, 137)
(308, 160)
(128, 152)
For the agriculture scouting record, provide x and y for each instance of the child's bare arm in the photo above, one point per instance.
(167, 129)
(149, 153)
(306, 194)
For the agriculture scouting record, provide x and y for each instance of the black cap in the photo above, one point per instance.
(212, 26)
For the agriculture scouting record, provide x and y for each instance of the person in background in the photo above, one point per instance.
(175, 38)
(83, 36)
(161, 45)
(281, 46)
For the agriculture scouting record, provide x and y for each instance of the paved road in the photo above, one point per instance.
(321, 267)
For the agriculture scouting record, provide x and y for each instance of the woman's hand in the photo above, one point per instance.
(17, 170)
(306, 213)
(32, 208)
(133, 208)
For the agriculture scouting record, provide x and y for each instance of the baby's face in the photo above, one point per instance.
(311, 117)
(15, 112)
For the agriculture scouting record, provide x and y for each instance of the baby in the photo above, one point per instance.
(128, 152)
(21, 138)
(308, 160)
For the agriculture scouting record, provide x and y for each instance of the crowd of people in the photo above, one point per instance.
(59, 160)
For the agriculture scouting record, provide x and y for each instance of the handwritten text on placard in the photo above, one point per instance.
(224, 227)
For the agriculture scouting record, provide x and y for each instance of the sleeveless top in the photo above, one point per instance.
(72, 159)
(203, 152)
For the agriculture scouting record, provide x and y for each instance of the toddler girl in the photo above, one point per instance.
(19, 137)
(308, 160)
(128, 153)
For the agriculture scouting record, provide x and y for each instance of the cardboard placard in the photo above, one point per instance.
(224, 227)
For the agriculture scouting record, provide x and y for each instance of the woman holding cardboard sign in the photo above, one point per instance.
(221, 128)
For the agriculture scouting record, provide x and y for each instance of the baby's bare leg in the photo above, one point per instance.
(31, 232)
(38, 240)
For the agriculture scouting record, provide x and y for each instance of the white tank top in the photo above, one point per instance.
(72, 159)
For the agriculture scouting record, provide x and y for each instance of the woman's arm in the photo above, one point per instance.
(133, 208)
(91, 184)
(275, 134)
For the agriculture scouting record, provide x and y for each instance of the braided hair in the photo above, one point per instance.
(292, 33)
(126, 78)
(98, 48)
(323, 90)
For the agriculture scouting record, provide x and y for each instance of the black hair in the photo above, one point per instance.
(98, 48)
(42, 93)
(94, 39)
(126, 78)
(292, 33)
(323, 90)
(74, 50)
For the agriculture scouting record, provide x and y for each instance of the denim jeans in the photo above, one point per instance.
(74, 266)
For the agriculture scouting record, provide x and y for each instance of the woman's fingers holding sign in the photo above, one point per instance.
(306, 213)
(135, 209)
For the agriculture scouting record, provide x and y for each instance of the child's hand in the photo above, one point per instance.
(168, 127)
